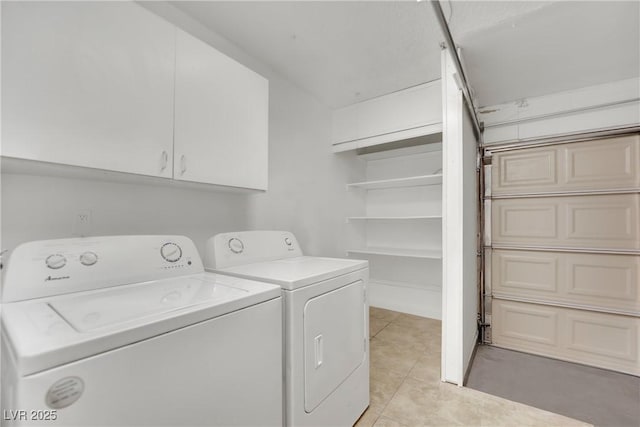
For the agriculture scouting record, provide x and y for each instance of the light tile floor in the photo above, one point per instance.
(406, 389)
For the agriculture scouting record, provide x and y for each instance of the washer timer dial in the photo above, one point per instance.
(56, 261)
(88, 258)
(171, 252)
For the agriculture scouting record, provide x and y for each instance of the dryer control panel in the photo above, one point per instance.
(246, 247)
(53, 267)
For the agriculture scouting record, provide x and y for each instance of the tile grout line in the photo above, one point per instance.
(404, 378)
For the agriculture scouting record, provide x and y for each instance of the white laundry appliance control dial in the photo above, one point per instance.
(236, 245)
(88, 258)
(288, 241)
(56, 261)
(171, 252)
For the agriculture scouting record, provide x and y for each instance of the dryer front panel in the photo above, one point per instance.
(335, 340)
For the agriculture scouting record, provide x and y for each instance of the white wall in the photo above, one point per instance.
(306, 194)
(37, 207)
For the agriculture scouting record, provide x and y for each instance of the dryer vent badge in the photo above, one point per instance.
(64, 392)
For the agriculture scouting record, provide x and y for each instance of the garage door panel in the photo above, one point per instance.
(601, 164)
(525, 273)
(564, 265)
(601, 335)
(599, 221)
(528, 323)
(593, 281)
(519, 171)
(605, 164)
(600, 278)
(596, 339)
(525, 221)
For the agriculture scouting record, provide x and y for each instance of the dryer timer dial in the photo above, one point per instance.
(171, 252)
(236, 245)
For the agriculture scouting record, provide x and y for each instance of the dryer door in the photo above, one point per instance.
(334, 340)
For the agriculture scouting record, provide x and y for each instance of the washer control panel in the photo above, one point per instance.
(52, 267)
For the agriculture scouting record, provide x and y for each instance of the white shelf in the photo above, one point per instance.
(409, 253)
(423, 286)
(420, 299)
(411, 181)
(398, 218)
(428, 144)
(402, 191)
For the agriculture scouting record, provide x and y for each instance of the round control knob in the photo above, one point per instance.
(171, 252)
(56, 261)
(288, 241)
(88, 258)
(236, 245)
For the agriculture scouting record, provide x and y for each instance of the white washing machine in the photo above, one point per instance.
(326, 322)
(131, 331)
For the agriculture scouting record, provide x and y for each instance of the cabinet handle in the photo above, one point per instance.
(183, 164)
(165, 160)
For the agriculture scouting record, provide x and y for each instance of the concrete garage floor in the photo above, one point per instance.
(406, 390)
(597, 396)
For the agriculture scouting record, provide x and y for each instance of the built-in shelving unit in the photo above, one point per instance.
(400, 228)
(434, 287)
(399, 218)
(399, 252)
(410, 181)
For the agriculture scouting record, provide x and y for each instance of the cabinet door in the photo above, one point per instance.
(411, 109)
(406, 109)
(221, 118)
(88, 84)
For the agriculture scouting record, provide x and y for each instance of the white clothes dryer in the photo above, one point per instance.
(326, 322)
(130, 330)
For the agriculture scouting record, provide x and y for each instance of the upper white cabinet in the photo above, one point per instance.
(88, 84)
(110, 85)
(221, 118)
(408, 113)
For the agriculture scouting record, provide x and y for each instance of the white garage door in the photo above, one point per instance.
(564, 265)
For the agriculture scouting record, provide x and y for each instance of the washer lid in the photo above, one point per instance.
(104, 309)
(294, 273)
(49, 332)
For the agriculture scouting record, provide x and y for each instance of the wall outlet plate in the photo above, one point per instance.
(81, 223)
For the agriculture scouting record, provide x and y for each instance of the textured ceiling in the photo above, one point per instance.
(342, 52)
(346, 51)
(554, 47)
